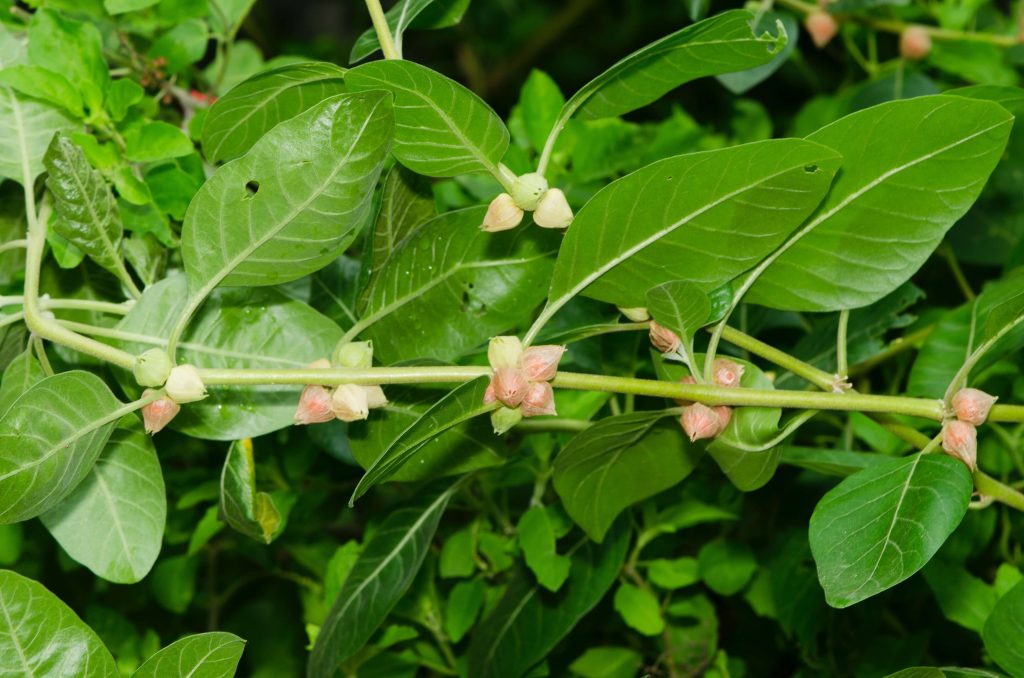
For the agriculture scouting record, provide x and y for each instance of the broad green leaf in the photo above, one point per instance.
(124, 94)
(181, 46)
(540, 102)
(246, 509)
(537, 539)
(406, 14)
(406, 202)
(942, 354)
(726, 566)
(113, 522)
(203, 655)
(462, 404)
(72, 48)
(239, 328)
(680, 306)
(829, 462)
(41, 636)
(1001, 306)
(42, 83)
(20, 375)
(782, 22)
(122, 6)
(640, 609)
(1002, 632)
(963, 598)
(881, 525)
(251, 109)
(441, 128)
(89, 216)
(156, 140)
(293, 202)
(228, 15)
(618, 462)
(704, 217)
(377, 581)
(607, 662)
(528, 622)
(463, 606)
(673, 574)
(869, 235)
(449, 286)
(26, 128)
(50, 439)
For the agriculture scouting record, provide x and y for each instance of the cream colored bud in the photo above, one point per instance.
(915, 43)
(664, 339)
(553, 210)
(510, 386)
(528, 189)
(375, 396)
(972, 405)
(152, 367)
(314, 406)
(502, 214)
(960, 440)
(689, 380)
(637, 315)
(727, 373)
(822, 27)
(184, 385)
(320, 364)
(159, 413)
(540, 363)
(504, 352)
(504, 418)
(354, 354)
(539, 400)
(700, 422)
(349, 402)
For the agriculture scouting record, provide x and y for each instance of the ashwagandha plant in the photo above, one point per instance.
(601, 375)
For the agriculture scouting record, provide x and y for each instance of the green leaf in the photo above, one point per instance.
(607, 662)
(783, 23)
(122, 6)
(704, 217)
(449, 286)
(293, 202)
(540, 102)
(673, 574)
(441, 128)
(829, 462)
(881, 525)
(680, 306)
(26, 128)
(238, 119)
(463, 606)
(385, 569)
(72, 48)
(867, 238)
(156, 140)
(20, 375)
(942, 354)
(640, 610)
(406, 14)
(462, 404)
(203, 655)
(963, 598)
(1001, 306)
(726, 566)
(50, 439)
(406, 202)
(1002, 632)
(245, 509)
(537, 539)
(113, 522)
(528, 622)
(41, 636)
(89, 216)
(236, 328)
(180, 47)
(41, 83)
(618, 462)
(124, 94)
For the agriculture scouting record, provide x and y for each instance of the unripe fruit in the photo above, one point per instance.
(540, 363)
(915, 43)
(688, 379)
(528, 189)
(663, 339)
(504, 418)
(972, 405)
(700, 422)
(314, 406)
(375, 396)
(553, 210)
(349, 402)
(822, 27)
(539, 400)
(354, 354)
(637, 315)
(152, 367)
(504, 352)
(509, 386)
(184, 385)
(502, 214)
(159, 413)
(960, 440)
(727, 373)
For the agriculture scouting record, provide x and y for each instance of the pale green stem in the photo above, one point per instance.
(842, 368)
(960, 379)
(13, 245)
(819, 378)
(44, 360)
(553, 425)
(1004, 494)
(380, 25)
(72, 304)
(958, 274)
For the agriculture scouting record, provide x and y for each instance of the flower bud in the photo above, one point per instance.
(541, 362)
(727, 373)
(663, 339)
(637, 315)
(504, 352)
(349, 402)
(700, 422)
(152, 367)
(822, 27)
(502, 214)
(960, 440)
(528, 189)
(553, 210)
(320, 364)
(724, 413)
(375, 396)
(184, 385)
(354, 354)
(688, 379)
(972, 405)
(504, 418)
(915, 43)
(489, 396)
(314, 406)
(539, 400)
(510, 386)
(157, 414)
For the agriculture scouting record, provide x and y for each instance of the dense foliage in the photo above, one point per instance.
(709, 365)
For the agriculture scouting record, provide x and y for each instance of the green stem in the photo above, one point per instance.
(44, 360)
(1004, 494)
(958, 274)
(380, 25)
(819, 378)
(842, 368)
(960, 379)
(553, 425)
(13, 245)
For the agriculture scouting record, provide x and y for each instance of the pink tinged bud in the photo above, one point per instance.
(504, 352)
(539, 400)
(502, 214)
(727, 373)
(960, 440)
(972, 405)
(915, 43)
(540, 363)
(700, 422)
(349, 403)
(663, 339)
(157, 414)
(553, 210)
(510, 386)
(314, 406)
(724, 413)
(688, 379)
(822, 27)
(375, 396)
(489, 396)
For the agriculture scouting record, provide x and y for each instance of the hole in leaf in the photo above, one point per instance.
(811, 169)
(252, 187)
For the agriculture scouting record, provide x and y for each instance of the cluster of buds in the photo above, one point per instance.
(960, 435)
(347, 402)
(664, 339)
(529, 193)
(701, 421)
(181, 384)
(521, 381)
(821, 26)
